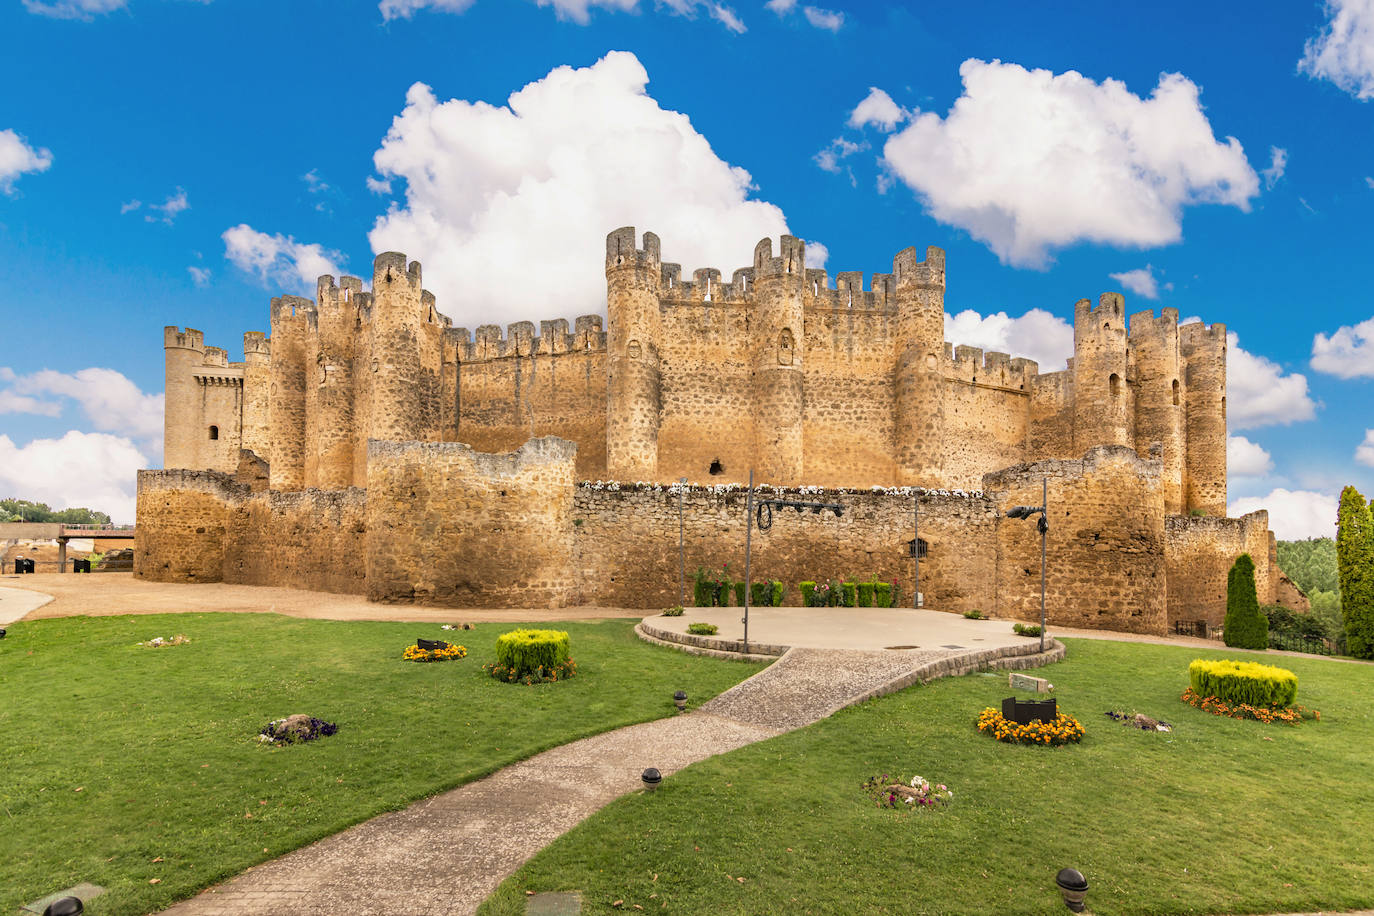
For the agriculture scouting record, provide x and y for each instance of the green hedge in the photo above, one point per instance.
(866, 594)
(1243, 682)
(775, 593)
(850, 591)
(808, 590)
(524, 651)
(1245, 627)
(703, 589)
(882, 594)
(739, 594)
(758, 594)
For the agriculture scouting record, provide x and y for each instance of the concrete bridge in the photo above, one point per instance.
(56, 531)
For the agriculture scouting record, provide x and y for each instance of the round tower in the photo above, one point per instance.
(633, 381)
(286, 415)
(776, 335)
(329, 388)
(1157, 361)
(394, 364)
(183, 352)
(257, 383)
(1204, 362)
(918, 376)
(1101, 400)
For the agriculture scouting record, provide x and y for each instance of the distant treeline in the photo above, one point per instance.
(1312, 565)
(21, 510)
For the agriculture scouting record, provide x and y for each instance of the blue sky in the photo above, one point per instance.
(179, 162)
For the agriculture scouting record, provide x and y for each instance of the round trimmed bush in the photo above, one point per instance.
(526, 651)
(1243, 683)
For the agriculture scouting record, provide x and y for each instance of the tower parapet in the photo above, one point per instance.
(633, 382)
(918, 370)
(1203, 349)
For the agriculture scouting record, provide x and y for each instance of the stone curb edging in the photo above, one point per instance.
(649, 635)
(1006, 658)
(729, 647)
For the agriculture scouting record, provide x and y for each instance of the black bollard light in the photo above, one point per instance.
(651, 778)
(2, 632)
(679, 698)
(1073, 886)
(65, 906)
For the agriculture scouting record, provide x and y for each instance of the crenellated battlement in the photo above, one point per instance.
(389, 268)
(174, 338)
(910, 270)
(1146, 322)
(1197, 335)
(520, 339)
(622, 253)
(1109, 313)
(791, 259)
(973, 366)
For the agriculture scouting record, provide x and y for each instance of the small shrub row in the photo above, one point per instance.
(717, 589)
(702, 629)
(1243, 683)
(848, 594)
(1289, 715)
(1026, 629)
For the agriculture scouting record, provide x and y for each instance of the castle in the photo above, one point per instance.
(842, 387)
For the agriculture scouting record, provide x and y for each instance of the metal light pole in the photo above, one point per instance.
(681, 561)
(748, 533)
(1044, 526)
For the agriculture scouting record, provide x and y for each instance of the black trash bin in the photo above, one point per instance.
(81, 566)
(18, 566)
(28, 564)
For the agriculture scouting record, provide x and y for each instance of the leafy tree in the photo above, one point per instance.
(1245, 626)
(26, 511)
(1355, 561)
(1311, 564)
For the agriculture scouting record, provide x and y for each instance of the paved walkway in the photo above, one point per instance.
(446, 854)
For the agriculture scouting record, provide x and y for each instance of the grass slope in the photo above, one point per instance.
(117, 755)
(1209, 818)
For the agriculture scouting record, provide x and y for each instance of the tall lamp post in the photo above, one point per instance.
(1044, 526)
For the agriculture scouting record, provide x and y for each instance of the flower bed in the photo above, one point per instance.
(538, 675)
(1289, 715)
(448, 652)
(900, 793)
(294, 729)
(1063, 730)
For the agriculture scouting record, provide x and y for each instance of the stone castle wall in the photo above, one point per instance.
(1199, 553)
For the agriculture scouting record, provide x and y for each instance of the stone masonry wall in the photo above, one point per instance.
(298, 539)
(181, 519)
(450, 526)
(1199, 553)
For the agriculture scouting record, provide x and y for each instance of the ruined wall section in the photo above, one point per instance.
(506, 389)
(627, 543)
(447, 525)
(1199, 553)
(1105, 548)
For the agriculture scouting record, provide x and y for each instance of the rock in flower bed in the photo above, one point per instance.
(294, 729)
(434, 651)
(900, 792)
(158, 642)
(1063, 730)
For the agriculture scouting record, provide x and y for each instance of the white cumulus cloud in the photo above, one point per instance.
(1140, 281)
(110, 400)
(1343, 52)
(1028, 161)
(1293, 514)
(1037, 335)
(1278, 164)
(377, 186)
(1258, 393)
(508, 206)
(199, 275)
(578, 11)
(1246, 459)
(830, 20)
(81, 470)
(1348, 353)
(1364, 452)
(279, 259)
(18, 158)
(879, 110)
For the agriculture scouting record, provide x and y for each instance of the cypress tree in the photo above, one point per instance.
(1355, 567)
(1245, 627)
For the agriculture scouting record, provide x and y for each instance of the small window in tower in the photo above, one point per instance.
(1175, 392)
(717, 467)
(214, 432)
(1115, 384)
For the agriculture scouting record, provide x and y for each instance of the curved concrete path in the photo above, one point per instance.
(446, 854)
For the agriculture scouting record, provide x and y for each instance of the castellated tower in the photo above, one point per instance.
(184, 351)
(1204, 360)
(291, 319)
(776, 358)
(918, 376)
(398, 405)
(633, 384)
(1159, 416)
(257, 386)
(329, 427)
(1101, 401)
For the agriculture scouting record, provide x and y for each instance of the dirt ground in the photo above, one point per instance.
(107, 594)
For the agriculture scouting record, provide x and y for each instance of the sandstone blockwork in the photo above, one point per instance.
(368, 446)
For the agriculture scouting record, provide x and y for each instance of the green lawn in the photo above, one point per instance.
(115, 755)
(1210, 818)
